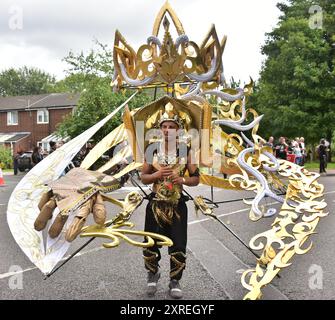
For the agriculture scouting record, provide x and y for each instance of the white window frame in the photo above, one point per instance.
(45, 116)
(10, 118)
(45, 146)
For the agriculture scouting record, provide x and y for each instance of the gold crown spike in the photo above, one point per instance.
(167, 9)
(168, 61)
(170, 114)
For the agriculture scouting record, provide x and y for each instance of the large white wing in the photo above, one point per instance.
(23, 203)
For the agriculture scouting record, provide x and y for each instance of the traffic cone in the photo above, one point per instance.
(2, 181)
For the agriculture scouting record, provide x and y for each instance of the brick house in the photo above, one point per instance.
(28, 121)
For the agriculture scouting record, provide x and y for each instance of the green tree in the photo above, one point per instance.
(295, 91)
(84, 69)
(91, 74)
(96, 102)
(25, 81)
(6, 158)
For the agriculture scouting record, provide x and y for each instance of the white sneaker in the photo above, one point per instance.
(175, 290)
(152, 283)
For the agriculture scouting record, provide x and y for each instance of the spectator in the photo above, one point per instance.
(77, 160)
(281, 149)
(16, 160)
(303, 150)
(327, 144)
(37, 156)
(53, 146)
(290, 146)
(270, 142)
(290, 156)
(322, 152)
(89, 147)
(59, 144)
(297, 152)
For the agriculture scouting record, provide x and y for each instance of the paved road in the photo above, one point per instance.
(214, 265)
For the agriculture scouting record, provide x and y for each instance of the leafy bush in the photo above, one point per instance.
(6, 159)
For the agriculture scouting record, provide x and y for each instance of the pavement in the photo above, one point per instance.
(215, 259)
(330, 172)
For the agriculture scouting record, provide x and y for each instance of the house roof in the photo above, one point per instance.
(13, 137)
(55, 137)
(51, 100)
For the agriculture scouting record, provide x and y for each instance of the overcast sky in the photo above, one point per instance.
(48, 30)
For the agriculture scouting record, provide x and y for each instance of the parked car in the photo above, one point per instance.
(24, 162)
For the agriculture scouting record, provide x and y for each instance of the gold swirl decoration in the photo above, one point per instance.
(301, 209)
(295, 223)
(115, 233)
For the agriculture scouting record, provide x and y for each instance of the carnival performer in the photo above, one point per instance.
(165, 165)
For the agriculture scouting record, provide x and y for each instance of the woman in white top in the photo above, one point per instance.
(303, 150)
(297, 152)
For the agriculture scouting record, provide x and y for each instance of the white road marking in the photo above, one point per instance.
(226, 214)
(133, 188)
(9, 274)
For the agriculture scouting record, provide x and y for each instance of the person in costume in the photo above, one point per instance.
(165, 166)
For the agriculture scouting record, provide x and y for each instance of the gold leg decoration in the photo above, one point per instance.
(300, 213)
(177, 264)
(151, 260)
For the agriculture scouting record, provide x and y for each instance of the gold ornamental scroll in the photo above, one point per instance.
(117, 136)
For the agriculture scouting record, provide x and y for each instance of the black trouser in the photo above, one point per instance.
(323, 163)
(177, 232)
(16, 165)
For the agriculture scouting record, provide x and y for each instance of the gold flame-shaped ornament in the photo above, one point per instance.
(168, 60)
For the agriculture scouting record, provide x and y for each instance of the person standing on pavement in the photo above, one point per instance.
(166, 212)
(53, 146)
(303, 150)
(281, 149)
(270, 142)
(16, 161)
(322, 152)
(37, 156)
(327, 144)
(297, 152)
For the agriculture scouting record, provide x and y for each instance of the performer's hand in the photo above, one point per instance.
(95, 205)
(77, 189)
(176, 179)
(164, 172)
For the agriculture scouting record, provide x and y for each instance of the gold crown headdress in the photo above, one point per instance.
(170, 114)
(187, 114)
(168, 61)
